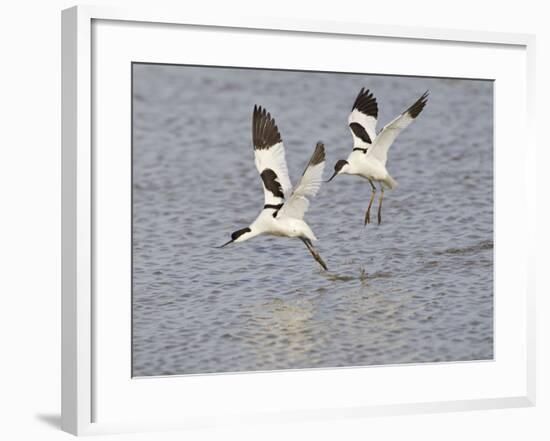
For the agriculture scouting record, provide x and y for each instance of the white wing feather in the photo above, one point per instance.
(269, 157)
(362, 120)
(386, 137)
(309, 185)
(274, 159)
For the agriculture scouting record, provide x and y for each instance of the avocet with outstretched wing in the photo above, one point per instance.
(370, 151)
(284, 208)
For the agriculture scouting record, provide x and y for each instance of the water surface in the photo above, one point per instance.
(418, 288)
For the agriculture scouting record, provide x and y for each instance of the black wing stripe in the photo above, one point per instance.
(273, 206)
(264, 129)
(271, 183)
(359, 131)
(366, 103)
(417, 107)
(276, 208)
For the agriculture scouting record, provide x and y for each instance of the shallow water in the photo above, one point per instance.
(417, 288)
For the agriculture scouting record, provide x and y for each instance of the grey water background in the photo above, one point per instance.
(417, 288)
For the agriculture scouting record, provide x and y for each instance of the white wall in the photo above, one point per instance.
(30, 221)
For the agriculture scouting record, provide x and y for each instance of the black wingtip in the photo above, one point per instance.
(264, 129)
(318, 154)
(419, 105)
(366, 103)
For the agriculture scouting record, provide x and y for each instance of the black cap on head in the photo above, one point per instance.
(338, 166)
(235, 235)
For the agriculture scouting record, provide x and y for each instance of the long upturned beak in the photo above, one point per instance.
(332, 177)
(225, 244)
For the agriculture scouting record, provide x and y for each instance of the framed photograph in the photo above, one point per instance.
(269, 220)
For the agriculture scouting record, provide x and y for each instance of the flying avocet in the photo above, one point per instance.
(284, 209)
(370, 151)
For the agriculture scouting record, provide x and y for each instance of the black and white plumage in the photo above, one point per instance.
(362, 120)
(370, 150)
(284, 207)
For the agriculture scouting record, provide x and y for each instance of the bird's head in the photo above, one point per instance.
(340, 167)
(239, 236)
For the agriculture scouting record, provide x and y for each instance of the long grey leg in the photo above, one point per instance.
(314, 252)
(373, 194)
(380, 206)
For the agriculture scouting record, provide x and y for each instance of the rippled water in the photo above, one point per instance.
(418, 288)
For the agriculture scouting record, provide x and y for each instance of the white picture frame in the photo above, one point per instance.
(90, 33)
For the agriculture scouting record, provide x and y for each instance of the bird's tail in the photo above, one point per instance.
(390, 182)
